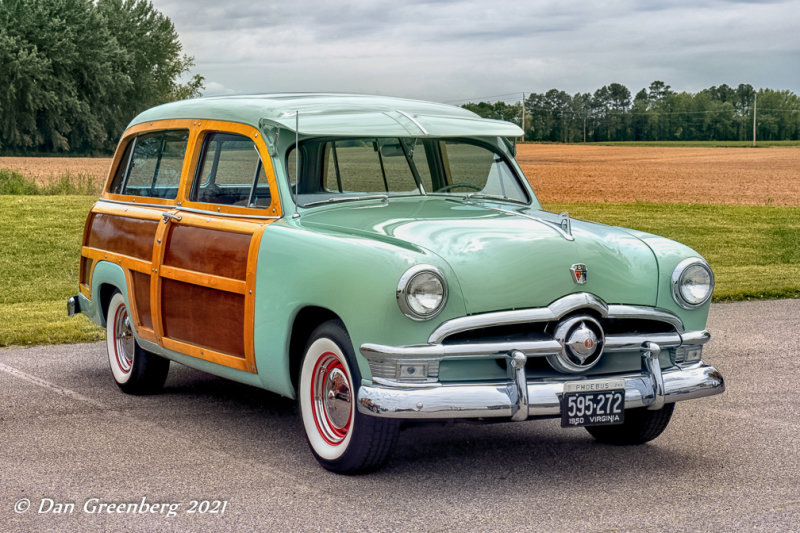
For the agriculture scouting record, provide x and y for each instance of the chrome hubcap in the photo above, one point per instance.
(123, 339)
(331, 399)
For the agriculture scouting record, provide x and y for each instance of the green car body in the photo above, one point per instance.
(516, 284)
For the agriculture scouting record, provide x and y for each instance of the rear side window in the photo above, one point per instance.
(151, 165)
(231, 173)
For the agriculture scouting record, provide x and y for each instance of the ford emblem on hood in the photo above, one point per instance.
(579, 273)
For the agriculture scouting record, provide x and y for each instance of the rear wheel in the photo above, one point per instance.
(341, 438)
(640, 426)
(135, 370)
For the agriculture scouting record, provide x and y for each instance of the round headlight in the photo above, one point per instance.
(421, 292)
(692, 283)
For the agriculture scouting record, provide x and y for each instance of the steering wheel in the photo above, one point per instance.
(454, 185)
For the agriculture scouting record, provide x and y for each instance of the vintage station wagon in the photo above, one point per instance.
(382, 260)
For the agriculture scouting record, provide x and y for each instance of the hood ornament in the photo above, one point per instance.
(566, 223)
(579, 273)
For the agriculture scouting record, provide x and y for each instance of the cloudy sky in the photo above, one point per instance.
(468, 50)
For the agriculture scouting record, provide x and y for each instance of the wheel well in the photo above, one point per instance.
(304, 324)
(106, 292)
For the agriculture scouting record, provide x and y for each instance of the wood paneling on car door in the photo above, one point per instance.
(123, 235)
(205, 317)
(211, 251)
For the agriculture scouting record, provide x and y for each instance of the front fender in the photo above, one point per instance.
(353, 276)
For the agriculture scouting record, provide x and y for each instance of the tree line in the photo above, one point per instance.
(73, 73)
(657, 113)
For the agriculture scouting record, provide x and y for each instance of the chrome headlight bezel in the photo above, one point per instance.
(679, 277)
(416, 274)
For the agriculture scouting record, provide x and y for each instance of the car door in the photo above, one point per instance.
(206, 249)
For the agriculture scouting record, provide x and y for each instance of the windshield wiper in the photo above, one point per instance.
(480, 196)
(334, 200)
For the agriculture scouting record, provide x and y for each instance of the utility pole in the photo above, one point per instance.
(755, 101)
(523, 117)
(584, 129)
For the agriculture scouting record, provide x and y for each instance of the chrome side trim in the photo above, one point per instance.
(495, 400)
(188, 209)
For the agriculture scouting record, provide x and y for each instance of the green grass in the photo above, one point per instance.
(700, 144)
(754, 252)
(14, 183)
(40, 238)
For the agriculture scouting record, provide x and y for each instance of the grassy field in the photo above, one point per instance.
(40, 238)
(753, 251)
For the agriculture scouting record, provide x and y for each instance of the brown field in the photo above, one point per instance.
(46, 169)
(583, 173)
(590, 173)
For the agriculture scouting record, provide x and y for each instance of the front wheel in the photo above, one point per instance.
(641, 425)
(341, 438)
(135, 370)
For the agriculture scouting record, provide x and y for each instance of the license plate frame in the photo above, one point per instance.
(593, 403)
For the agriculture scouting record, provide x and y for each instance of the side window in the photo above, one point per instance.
(151, 165)
(230, 173)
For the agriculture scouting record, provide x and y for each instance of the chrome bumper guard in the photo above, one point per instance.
(519, 398)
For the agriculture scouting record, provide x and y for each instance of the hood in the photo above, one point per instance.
(501, 257)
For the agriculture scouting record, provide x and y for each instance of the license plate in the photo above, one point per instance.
(593, 403)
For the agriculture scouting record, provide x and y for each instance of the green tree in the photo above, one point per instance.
(74, 72)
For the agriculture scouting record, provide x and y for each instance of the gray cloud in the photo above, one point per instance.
(463, 49)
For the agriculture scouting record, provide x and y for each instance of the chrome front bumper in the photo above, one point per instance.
(520, 398)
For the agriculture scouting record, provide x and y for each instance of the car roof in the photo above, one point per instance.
(335, 115)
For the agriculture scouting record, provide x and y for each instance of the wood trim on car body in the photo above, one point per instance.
(181, 213)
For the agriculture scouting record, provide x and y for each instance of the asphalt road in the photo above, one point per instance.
(68, 436)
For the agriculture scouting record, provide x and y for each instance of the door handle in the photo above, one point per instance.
(168, 216)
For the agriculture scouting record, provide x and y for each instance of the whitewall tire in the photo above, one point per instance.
(341, 438)
(135, 370)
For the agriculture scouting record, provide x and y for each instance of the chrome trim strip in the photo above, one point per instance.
(552, 225)
(229, 215)
(138, 204)
(640, 312)
(494, 400)
(189, 209)
(412, 119)
(533, 348)
(631, 343)
(554, 311)
(461, 351)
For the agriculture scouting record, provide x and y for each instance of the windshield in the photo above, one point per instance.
(348, 169)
